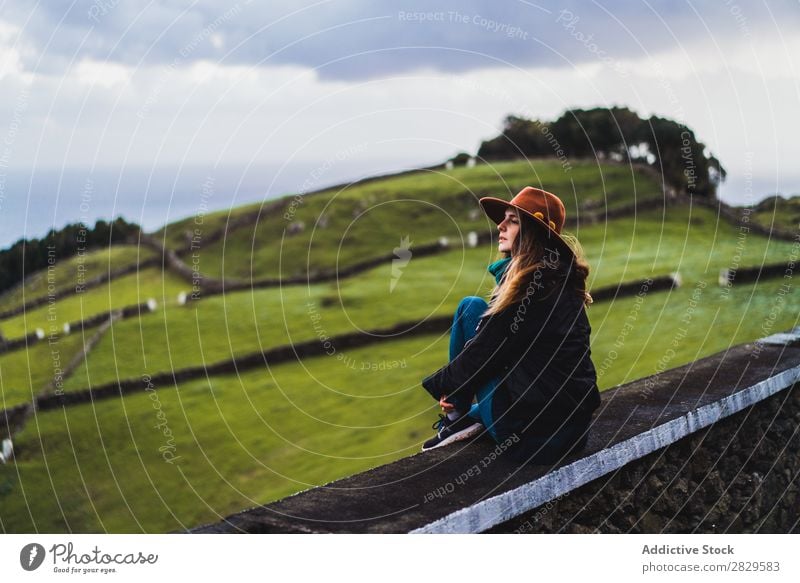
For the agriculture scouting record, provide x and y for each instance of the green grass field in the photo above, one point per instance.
(64, 273)
(24, 373)
(217, 328)
(778, 212)
(247, 439)
(131, 289)
(365, 221)
(257, 437)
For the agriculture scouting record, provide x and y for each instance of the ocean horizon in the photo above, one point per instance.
(33, 202)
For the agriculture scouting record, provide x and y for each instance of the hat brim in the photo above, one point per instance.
(495, 209)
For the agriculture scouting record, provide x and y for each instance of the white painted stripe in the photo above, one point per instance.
(782, 338)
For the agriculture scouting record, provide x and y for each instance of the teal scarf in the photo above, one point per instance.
(498, 268)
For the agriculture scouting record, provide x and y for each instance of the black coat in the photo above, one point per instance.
(539, 351)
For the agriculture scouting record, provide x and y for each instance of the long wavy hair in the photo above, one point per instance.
(540, 269)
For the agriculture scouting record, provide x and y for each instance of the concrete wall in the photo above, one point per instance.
(739, 475)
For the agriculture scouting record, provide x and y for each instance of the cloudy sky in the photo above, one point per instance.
(357, 86)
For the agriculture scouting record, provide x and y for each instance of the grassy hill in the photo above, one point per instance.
(216, 328)
(248, 438)
(358, 222)
(778, 212)
(64, 275)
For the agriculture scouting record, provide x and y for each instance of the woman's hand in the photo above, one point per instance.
(446, 407)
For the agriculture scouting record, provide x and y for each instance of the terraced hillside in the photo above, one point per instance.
(345, 225)
(191, 448)
(777, 212)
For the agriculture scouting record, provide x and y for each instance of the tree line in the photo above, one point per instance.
(615, 133)
(27, 256)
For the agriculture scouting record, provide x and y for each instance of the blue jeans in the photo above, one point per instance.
(466, 319)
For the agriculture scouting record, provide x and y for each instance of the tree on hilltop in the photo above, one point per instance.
(615, 133)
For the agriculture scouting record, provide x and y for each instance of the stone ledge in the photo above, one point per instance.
(436, 492)
(739, 475)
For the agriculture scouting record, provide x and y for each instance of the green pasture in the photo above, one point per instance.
(25, 373)
(690, 242)
(134, 288)
(241, 440)
(369, 220)
(64, 274)
(778, 212)
(238, 441)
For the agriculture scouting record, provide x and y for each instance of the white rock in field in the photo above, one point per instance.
(443, 242)
(7, 451)
(182, 299)
(472, 239)
(40, 334)
(295, 228)
(152, 305)
(67, 328)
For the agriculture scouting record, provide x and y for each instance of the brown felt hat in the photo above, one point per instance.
(545, 208)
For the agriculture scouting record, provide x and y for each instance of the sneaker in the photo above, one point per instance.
(448, 432)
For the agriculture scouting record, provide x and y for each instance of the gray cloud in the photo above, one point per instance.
(362, 39)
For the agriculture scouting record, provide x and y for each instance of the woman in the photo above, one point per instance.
(525, 355)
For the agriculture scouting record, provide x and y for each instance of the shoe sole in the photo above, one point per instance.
(460, 436)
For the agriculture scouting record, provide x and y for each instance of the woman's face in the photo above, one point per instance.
(509, 230)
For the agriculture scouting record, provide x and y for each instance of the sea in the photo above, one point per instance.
(34, 201)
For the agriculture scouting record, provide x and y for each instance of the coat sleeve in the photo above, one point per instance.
(501, 339)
